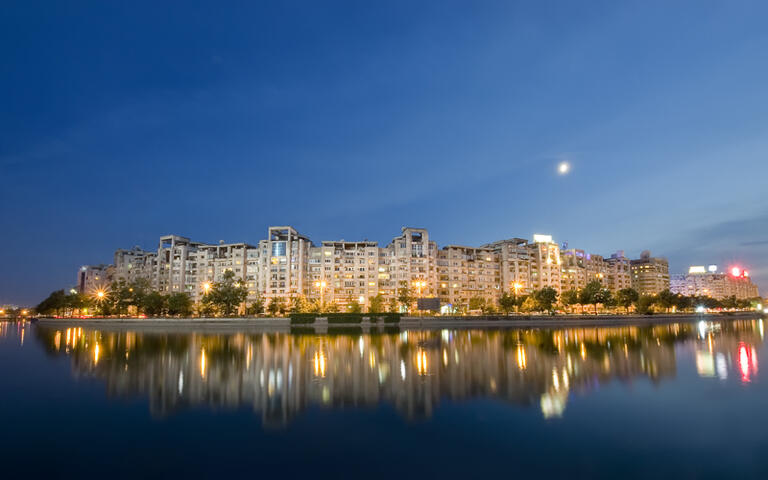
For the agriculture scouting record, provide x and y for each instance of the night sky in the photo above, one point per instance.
(124, 121)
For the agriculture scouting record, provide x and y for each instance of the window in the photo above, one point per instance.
(278, 249)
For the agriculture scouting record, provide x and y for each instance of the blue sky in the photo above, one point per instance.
(124, 122)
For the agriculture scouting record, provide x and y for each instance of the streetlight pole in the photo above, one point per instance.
(321, 285)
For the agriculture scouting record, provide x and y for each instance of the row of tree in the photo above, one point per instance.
(595, 295)
(228, 296)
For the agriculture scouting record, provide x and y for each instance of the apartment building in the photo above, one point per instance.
(176, 266)
(619, 272)
(134, 264)
(409, 260)
(514, 257)
(465, 272)
(342, 272)
(213, 261)
(650, 275)
(91, 278)
(287, 264)
(573, 269)
(284, 264)
(703, 282)
(545, 263)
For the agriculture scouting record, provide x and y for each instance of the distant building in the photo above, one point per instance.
(703, 282)
(134, 264)
(650, 275)
(93, 277)
(619, 272)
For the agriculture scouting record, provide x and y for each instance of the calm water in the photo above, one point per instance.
(682, 401)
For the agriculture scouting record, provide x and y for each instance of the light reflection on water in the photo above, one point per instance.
(279, 375)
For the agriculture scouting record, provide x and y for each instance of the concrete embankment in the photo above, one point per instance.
(274, 325)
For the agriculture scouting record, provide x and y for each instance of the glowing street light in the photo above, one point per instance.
(419, 284)
(207, 287)
(321, 285)
(100, 294)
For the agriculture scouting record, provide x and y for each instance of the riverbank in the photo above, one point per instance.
(281, 324)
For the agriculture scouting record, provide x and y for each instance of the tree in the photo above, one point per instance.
(276, 306)
(683, 303)
(300, 304)
(226, 295)
(476, 303)
(376, 304)
(256, 306)
(590, 294)
(507, 303)
(154, 304)
(120, 296)
(139, 290)
(75, 301)
(730, 302)
(546, 298)
(393, 305)
(644, 305)
(354, 306)
(529, 304)
(179, 304)
(405, 296)
(626, 297)
(54, 304)
(331, 307)
(569, 298)
(489, 307)
(665, 299)
(604, 297)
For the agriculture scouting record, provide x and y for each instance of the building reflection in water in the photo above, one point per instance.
(281, 374)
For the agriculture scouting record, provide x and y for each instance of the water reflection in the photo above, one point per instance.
(280, 374)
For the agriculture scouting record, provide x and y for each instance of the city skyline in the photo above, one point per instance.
(286, 264)
(348, 121)
(562, 247)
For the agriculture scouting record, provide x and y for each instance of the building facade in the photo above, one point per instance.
(650, 275)
(287, 264)
(701, 282)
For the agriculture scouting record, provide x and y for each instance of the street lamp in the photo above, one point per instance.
(207, 287)
(321, 285)
(517, 287)
(419, 284)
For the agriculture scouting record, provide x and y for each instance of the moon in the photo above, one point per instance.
(563, 168)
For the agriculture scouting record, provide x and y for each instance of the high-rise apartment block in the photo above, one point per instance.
(287, 264)
(650, 275)
(709, 282)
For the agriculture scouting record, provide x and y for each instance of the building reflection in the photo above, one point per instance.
(717, 353)
(280, 374)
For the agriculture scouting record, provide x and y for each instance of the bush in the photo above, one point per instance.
(387, 317)
(345, 318)
(303, 318)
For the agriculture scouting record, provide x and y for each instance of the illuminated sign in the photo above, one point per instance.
(537, 238)
(712, 268)
(736, 271)
(697, 269)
